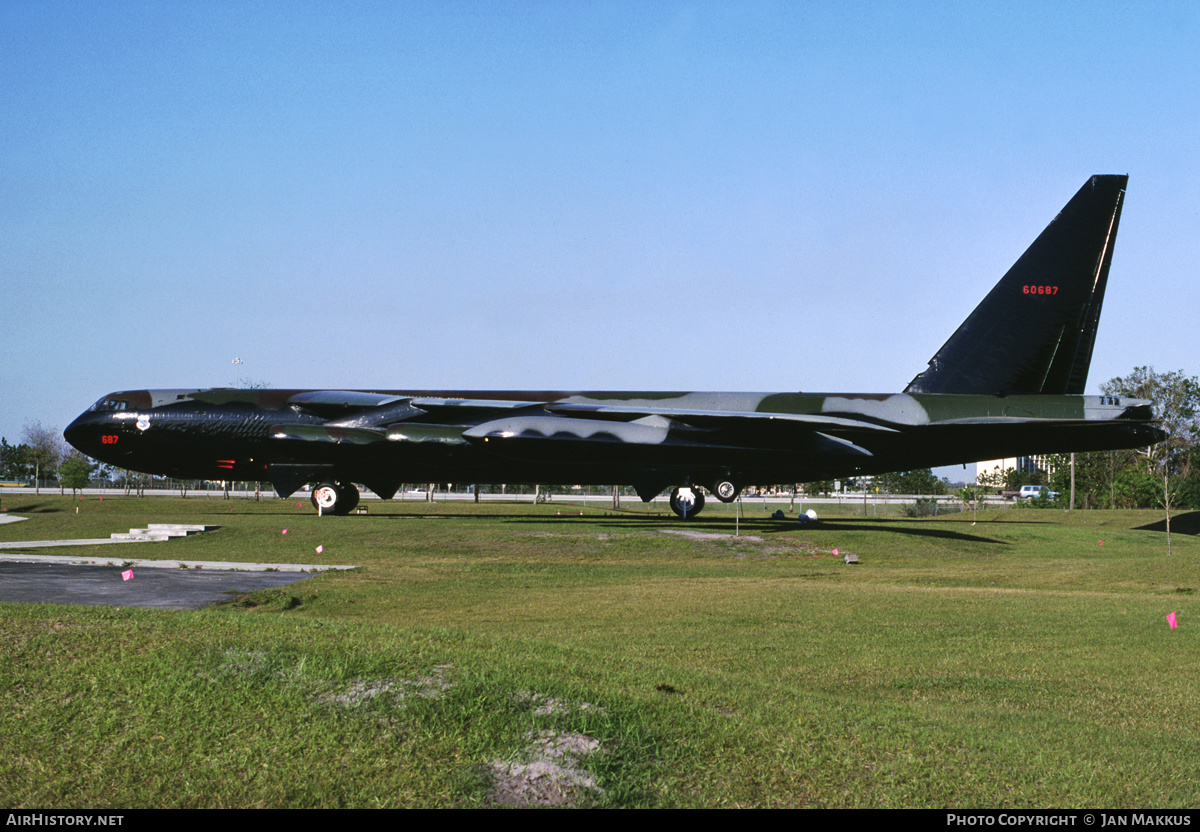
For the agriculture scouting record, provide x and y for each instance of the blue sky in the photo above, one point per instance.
(569, 195)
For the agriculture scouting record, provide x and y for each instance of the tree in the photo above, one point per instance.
(1189, 486)
(45, 450)
(970, 494)
(994, 479)
(1167, 474)
(1176, 399)
(75, 472)
(920, 481)
(12, 461)
(1095, 478)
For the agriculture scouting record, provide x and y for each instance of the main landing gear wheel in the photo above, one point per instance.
(335, 497)
(687, 502)
(725, 491)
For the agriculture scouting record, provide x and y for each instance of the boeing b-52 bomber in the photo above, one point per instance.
(1008, 382)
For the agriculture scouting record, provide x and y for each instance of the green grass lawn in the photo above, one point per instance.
(1013, 662)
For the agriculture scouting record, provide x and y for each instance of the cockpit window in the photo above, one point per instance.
(109, 404)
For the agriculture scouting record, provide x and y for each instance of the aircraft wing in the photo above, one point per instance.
(712, 418)
(529, 428)
(323, 433)
(431, 404)
(649, 425)
(381, 418)
(356, 409)
(399, 432)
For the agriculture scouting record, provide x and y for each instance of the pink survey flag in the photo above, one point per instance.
(127, 574)
(835, 553)
(320, 549)
(285, 531)
(1171, 620)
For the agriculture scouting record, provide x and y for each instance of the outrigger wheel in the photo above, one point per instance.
(725, 491)
(687, 502)
(335, 497)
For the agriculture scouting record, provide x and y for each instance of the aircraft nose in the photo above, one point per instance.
(74, 433)
(85, 432)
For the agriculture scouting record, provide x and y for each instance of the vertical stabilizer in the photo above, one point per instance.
(1035, 330)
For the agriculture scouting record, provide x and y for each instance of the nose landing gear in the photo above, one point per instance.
(335, 497)
(687, 502)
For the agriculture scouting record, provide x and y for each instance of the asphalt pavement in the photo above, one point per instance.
(98, 579)
(171, 589)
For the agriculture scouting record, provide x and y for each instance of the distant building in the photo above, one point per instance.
(1022, 464)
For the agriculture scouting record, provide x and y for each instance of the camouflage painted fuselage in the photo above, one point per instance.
(651, 440)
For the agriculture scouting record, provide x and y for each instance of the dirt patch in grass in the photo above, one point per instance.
(356, 693)
(542, 705)
(761, 550)
(551, 775)
(751, 538)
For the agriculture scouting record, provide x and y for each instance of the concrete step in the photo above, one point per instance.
(189, 528)
(139, 534)
(162, 531)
